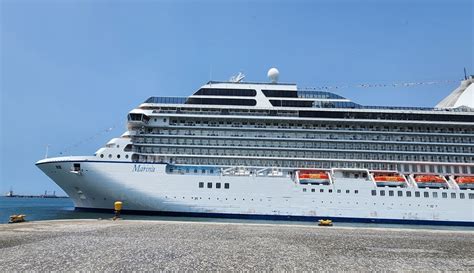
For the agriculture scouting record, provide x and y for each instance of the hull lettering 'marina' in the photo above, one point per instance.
(140, 168)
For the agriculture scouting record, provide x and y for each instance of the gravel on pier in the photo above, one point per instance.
(99, 245)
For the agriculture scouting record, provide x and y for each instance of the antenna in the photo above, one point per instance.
(47, 149)
(465, 74)
(210, 72)
(237, 78)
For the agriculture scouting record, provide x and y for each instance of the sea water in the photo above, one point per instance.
(37, 209)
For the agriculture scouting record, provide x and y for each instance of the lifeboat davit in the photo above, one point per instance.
(389, 179)
(465, 182)
(430, 181)
(313, 177)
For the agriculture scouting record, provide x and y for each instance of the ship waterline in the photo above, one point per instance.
(237, 149)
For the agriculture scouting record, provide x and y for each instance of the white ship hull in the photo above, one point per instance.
(148, 188)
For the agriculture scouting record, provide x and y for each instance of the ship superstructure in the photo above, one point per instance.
(241, 149)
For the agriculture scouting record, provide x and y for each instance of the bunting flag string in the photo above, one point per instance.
(384, 85)
(67, 149)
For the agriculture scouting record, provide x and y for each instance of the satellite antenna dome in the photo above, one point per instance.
(273, 74)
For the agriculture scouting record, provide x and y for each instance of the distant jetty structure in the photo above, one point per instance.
(46, 194)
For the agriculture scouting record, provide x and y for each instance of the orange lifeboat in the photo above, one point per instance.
(465, 182)
(430, 181)
(389, 179)
(465, 179)
(313, 177)
(429, 178)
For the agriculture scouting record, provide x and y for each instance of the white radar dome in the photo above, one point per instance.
(273, 74)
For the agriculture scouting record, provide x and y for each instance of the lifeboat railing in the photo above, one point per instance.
(411, 181)
(372, 178)
(452, 183)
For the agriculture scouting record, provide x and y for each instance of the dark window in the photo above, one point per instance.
(471, 196)
(313, 190)
(226, 185)
(280, 93)
(461, 195)
(338, 191)
(374, 192)
(218, 185)
(426, 194)
(408, 193)
(201, 184)
(330, 191)
(304, 189)
(390, 193)
(216, 101)
(291, 103)
(321, 190)
(226, 92)
(209, 185)
(382, 193)
(356, 191)
(58, 167)
(400, 193)
(444, 195)
(453, 195)
(417, 194)
(76, 167)
(347, 191)
(435, 195)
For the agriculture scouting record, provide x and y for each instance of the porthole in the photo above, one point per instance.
(118, 156)
(101, 155)
(110, 156)
(126, 156)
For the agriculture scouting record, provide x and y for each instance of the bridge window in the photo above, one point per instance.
(201, 184)
(218, 185)
(226, 185)
(209, 185)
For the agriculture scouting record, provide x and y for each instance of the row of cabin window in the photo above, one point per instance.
(425, 147)
(340, 154)
(218, 185)
(330, 190)
(187, 170)
(310, 164)
(348, 135)
(425, 194)
(333, 126)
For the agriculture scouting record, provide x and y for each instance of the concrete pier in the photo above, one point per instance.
(93, 245)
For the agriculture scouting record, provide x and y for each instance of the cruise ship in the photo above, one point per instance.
(272, 150)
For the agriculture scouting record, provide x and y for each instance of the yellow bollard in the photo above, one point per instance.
(118, 208)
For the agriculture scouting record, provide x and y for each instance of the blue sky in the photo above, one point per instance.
(71, 70)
